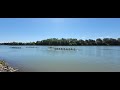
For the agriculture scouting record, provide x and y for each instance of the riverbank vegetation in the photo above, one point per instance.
(4, 67)
(69, 42)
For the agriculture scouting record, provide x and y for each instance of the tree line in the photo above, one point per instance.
(69, 42)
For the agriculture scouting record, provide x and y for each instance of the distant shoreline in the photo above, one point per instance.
(70, 42)
(59, 45)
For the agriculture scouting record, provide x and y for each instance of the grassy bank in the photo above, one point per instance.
(4, 67)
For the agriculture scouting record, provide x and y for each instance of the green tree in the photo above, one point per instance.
(106, 41)
(39, 43)
(99, 41)
(118, 41)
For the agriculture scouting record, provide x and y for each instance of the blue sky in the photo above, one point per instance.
(33, 29)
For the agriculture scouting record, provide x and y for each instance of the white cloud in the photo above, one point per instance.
(107, 37)
(100, 37)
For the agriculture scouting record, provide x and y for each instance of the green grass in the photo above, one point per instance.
(2, 62)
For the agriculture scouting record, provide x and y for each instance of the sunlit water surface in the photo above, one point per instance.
(44, 59)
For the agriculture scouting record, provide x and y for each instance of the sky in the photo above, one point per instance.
(35, 29)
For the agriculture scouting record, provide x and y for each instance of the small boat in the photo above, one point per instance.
(16, 47)
(62, 48)
(31, 47)
(50, 47)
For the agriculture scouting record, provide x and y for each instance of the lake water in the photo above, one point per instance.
(44, 59)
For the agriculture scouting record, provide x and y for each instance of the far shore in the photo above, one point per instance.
(60, 45)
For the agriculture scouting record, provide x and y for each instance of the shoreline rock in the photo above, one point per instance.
(4, 67)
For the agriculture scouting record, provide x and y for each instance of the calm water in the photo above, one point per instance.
(43, 59)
